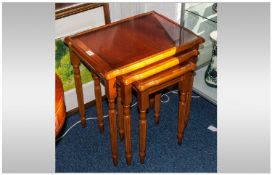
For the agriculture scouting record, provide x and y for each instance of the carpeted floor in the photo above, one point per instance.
(86, 150)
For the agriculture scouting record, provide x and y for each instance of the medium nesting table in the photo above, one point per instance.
(122, 47)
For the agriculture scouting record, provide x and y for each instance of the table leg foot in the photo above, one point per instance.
(179, 142)
(128, 159)
(101, 130)
(142, 142)
(83, 123)
(113, 131)
(115, 161)
(126, 100)
(143, 105)
(180, 137)
(142, 135)
(128, 146)
(121, 135)
(142, 158)
(110, 86)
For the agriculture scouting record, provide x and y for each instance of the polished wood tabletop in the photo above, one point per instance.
(117, 47)
(122, 47)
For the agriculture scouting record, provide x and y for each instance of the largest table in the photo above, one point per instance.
(122, 47)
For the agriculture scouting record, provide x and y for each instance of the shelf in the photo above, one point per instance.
(201, 88)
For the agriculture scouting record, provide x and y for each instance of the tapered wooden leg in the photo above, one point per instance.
(120, 114)
(98, 101)
(126, 100)
(185, 87)
(181, 114)
(111, 94)
(190, 79)
(142, 135)
(157, 107)
(143, 105)
(76, 62)
(113, 130)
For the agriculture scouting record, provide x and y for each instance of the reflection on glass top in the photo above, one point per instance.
(136, 38)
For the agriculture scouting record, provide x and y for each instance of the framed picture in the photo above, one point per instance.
(66, 9)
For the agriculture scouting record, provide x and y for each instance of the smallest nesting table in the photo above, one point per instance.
(122, 47)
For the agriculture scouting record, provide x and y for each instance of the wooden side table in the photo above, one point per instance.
(181, 75)
(122, 47)
(126, 82)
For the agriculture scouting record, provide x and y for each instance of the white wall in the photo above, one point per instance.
(79, 22)
(123, 10)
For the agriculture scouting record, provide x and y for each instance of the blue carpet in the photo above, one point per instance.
(86, 150)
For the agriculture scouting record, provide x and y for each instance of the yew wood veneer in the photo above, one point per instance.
(122, 47)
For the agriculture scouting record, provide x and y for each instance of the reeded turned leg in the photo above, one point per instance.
(142, 135)
(185, 88)
(126, 101)
(143, 105)
(98, 101)
(190, 78)
(181, 113)
(111, 94)
(157, 107)
(76, 62)
(120, 114)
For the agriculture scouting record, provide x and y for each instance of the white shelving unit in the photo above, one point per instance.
(201, 88)
(201, 19)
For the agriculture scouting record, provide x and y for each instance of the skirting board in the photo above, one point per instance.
(88, 95)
